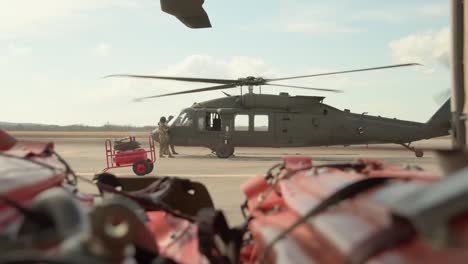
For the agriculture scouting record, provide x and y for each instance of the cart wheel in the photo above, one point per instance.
(140, 167)
(150, 166)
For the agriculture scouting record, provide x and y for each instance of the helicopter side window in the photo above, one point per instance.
(212, 121)
(241, 123)
(172, 121)
(261, 123)
(201, 123)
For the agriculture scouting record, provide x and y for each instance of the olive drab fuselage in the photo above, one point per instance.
(265, 120)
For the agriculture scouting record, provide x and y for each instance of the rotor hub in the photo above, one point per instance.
(251, 81)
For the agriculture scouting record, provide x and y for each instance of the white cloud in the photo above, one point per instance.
(402, 14)
(379, 15)
(318, 27)
(205, 66)
(14, 50)
(210, 67)
(202, 66)
(22, 17)
(435, 9)
(103, 50)
(115, 94)
(429, 48)
(314, 17)
(329, 17)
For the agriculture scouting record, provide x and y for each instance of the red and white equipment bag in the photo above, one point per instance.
(27, 169)
(367, 212)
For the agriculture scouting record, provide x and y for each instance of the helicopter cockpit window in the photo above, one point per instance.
(212, 121)
(241, 123)
(183, 119)
(172, 121)
(261, 123)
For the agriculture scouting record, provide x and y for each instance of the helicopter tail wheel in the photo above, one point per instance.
(224, 151)
(141, 167)
(417, 152)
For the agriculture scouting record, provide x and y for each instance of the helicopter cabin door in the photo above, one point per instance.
(284, 129)
(262, 133)
(253, 130)
(210, 128)
(181, 127)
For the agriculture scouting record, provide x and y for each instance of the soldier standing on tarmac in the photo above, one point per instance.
(163, 138)
(170, 143)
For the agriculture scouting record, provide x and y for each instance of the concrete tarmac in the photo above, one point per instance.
(223, 177)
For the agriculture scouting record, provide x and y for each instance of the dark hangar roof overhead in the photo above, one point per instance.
(189, 12)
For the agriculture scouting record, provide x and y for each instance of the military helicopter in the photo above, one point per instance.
(266, 120)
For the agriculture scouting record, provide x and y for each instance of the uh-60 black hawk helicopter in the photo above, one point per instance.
(266, 120)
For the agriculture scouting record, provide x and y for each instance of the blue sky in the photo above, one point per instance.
(54, 53)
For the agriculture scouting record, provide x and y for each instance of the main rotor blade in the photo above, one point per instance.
(307, 88)
(212, 88)
(349, 71)
(183, 79)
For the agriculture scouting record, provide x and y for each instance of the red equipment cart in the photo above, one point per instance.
(136, 158)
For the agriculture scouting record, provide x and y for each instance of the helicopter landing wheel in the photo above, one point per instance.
(418, 153)
(232, 151)
(224, 151)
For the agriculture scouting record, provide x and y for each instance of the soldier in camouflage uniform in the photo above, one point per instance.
(172, 148)
(163, 138)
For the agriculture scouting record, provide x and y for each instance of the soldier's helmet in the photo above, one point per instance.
(162, 119)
